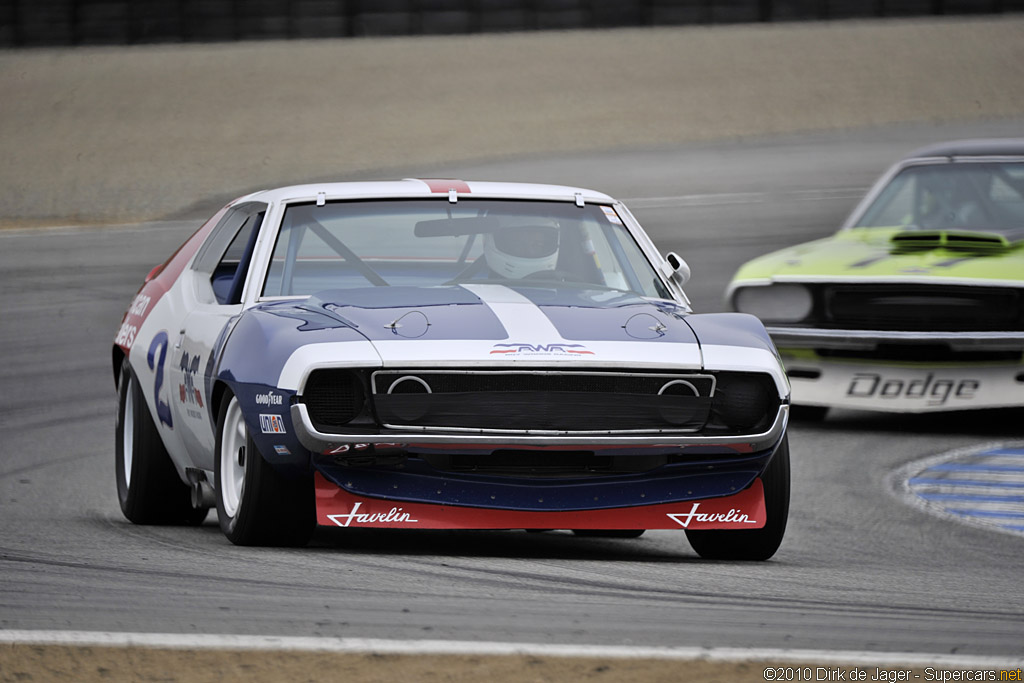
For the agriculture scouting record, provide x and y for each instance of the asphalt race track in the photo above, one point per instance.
(860, 568)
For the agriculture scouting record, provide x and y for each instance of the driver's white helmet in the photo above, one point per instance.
(517, 251)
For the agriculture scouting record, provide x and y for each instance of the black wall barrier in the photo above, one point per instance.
(99, 22)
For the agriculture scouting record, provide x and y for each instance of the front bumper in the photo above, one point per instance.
(319, 442)
(866, 340)
(398, 469)
(902, 387)
(862, 381)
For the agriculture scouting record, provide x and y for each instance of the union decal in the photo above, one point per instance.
(271, 424)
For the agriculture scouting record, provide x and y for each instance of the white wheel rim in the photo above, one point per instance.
(232, 473)
(128, 432)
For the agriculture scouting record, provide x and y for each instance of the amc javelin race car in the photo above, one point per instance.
(917, 303)
(437, 354)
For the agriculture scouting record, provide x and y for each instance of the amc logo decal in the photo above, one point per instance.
(541, 348)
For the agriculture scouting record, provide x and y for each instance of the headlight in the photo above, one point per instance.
(785, 303)
(333, 396)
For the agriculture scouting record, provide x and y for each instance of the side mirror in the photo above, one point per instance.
(677, 268)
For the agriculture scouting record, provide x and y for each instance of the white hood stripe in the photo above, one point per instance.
(522, 319)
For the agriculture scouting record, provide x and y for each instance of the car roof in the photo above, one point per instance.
(424, 188)
(987, 147)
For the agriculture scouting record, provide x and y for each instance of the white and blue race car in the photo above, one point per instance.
(444, 354)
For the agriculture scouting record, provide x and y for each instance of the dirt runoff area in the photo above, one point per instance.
(31, 663)
(122, 134)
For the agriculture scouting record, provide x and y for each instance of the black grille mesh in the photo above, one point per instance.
(555, 401)
(333, 397)
(543, 410)
(524, 401)
(444, 382)
(922, 308)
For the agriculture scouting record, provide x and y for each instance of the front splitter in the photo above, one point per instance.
(337, 507)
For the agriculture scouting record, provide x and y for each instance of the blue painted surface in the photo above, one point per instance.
(987, 513)
(961, 467)
(953, 487)
(416, 482)
(969, 497)
(967, 482)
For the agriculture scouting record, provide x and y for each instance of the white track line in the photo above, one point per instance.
(454, 647)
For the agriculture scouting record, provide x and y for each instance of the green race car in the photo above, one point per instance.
(917, 303)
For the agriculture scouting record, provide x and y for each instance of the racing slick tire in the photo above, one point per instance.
(148, 487)
(753, 544)
(609, 533)
(256, 505)
(801, 413)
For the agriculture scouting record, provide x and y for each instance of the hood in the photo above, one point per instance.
(895, 253)
(476, 324)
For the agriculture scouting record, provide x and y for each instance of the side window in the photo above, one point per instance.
(647, 283)
(225, 258)
(898, 204)
(228, 277)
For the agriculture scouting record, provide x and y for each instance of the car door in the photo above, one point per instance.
(214, 286)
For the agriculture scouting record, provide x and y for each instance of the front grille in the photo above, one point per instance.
(517, 401)
(509, 381)
(502, 401)
(920, 308)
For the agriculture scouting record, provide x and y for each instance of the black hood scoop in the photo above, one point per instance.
(955, 240)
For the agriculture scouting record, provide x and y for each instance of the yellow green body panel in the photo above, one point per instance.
(871, 254)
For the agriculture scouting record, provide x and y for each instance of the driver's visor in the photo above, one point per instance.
(527, 241)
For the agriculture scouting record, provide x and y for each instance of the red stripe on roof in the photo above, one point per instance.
(443, 185)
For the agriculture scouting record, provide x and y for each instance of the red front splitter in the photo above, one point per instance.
(337, 507)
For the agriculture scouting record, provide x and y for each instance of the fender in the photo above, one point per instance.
(278, 330)
(738, 341)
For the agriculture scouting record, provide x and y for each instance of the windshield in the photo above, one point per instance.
(987, 197)
(355, 244)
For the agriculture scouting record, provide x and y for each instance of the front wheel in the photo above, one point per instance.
(256, 505)
(148, 487)
(802, 413)
(753, 544)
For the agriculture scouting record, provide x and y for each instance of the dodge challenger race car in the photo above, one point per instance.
(917, 303)
(438, 354)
